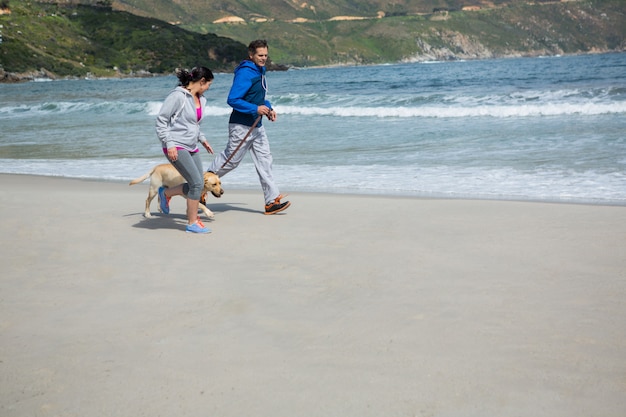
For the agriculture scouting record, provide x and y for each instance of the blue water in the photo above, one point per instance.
(546, 129)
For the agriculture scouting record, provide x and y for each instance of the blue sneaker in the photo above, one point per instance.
(164, 202)
(197, 227)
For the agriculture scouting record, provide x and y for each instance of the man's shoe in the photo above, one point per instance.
(276, 206)
(164, 202)
(197, 227)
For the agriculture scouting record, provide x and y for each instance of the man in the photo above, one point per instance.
(247, 98)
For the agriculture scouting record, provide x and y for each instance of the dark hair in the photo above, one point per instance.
(259, 43)
(196, 74)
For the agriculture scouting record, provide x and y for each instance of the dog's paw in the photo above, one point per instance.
(147, 215)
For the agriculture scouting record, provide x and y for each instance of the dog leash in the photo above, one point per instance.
(256, 122)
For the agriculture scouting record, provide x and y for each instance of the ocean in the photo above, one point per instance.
(537, 129)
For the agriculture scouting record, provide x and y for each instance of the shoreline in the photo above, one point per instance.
(341, 305)
(348, 193)
(45, 75)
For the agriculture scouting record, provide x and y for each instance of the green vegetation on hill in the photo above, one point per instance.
(202, 11)
(517, 29)
(77, 40)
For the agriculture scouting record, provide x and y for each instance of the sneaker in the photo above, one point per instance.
(276, 206)
(164, 202)
(197, 227)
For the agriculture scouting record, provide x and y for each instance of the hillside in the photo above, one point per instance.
(80, 40)
(202, 11)
(317, 32)
(143, 37)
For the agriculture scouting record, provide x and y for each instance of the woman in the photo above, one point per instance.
(178, 128)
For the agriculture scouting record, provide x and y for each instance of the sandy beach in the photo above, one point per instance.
(346, 306)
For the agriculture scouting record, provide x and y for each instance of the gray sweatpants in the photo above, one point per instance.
(189, 165)
(259, 147)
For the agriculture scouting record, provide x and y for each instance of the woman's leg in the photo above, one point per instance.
(192, 204)
(189, 165)
(171, 192)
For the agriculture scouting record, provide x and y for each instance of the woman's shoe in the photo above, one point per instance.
(164, 202)
(197, 227)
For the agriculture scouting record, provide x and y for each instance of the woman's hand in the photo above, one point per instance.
(207, 146)
(172, 154)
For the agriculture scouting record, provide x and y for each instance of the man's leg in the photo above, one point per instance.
(236, 133)
(262, 158)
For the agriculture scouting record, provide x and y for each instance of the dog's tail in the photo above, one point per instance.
(142, 178)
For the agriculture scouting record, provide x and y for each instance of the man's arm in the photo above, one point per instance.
(241, 85)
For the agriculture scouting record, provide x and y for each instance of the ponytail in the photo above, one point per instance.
(196, 74)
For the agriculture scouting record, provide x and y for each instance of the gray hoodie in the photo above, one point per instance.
(177, 122)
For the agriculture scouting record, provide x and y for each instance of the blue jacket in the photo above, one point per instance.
(247, 93)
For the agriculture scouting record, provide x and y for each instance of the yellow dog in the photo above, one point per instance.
(167, 176)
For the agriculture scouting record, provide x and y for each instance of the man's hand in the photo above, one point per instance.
(263, 110)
